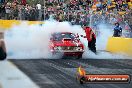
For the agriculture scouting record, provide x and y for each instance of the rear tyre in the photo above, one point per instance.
(82, 80)
(57, 55)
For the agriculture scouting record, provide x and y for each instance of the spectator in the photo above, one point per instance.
(15, 13)
(8, 11)
(131, 32)
(39, 10)
(2, 12)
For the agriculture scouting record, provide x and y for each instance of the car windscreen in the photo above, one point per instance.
(60, 36)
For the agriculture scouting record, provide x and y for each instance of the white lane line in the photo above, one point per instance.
(12, 77)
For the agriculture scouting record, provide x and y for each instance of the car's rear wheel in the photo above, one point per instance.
(82, 80)
(57, 55)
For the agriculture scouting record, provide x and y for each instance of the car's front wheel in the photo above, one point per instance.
(57, 55)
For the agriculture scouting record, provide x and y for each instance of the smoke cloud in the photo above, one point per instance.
(32, 41)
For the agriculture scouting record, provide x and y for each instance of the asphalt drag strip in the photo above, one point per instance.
(12, 77)
(60, 73)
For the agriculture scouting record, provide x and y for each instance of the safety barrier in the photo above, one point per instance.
(120, 45)
(7, 24)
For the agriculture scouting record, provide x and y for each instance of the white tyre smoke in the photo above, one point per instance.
(32, 41)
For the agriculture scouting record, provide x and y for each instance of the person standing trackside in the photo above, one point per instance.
(3, 54)
(91, 37)
(117, 30)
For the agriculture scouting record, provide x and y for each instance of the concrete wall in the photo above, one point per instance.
(6, 24)
(120, 45)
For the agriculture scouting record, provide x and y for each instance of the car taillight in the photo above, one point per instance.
(79, 48)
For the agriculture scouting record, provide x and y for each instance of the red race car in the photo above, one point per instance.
(67, 44)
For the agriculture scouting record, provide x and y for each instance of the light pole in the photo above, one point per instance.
(44, 9)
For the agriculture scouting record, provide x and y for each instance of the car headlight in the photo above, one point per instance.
(57, 48)
(79, 48)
